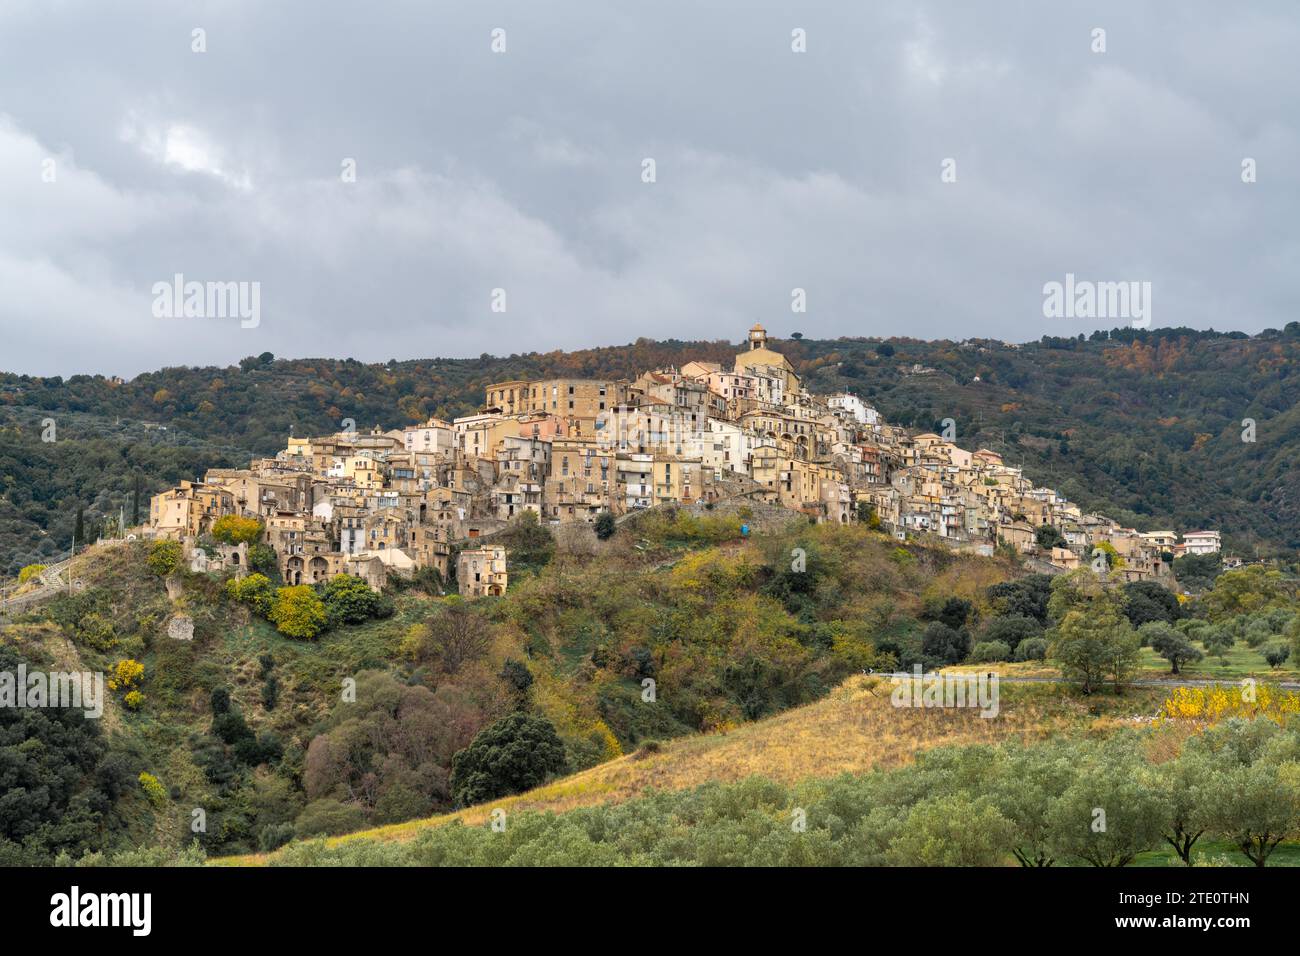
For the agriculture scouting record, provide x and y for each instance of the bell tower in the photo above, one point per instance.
(757, 337)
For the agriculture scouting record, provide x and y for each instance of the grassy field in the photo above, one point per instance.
(1239, 662)
(853, 730)
(1219, 853)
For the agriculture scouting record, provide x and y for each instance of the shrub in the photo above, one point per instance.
(987, 652)
(154, 790)
(605, 525)
(270, 692)
(124, 674)
(261, 557)
(349, 600)
(255, 590)
(426, 579)
(1011, 630)
(164, 557)
(220, 699)
(29, 572)
(133, 699)
(97, 631)
(1033, 649)
(941, 642)
(273, 836)
(529, 543)
(298, 612)
(328, 817)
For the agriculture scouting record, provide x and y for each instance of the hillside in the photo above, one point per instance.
(614, 677)
(1145, 426)
(854, 781)
(854, 730)
(274, 737)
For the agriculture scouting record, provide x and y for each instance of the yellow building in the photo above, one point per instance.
(577, 398)
(482, 572)
(582, 482)
(510, 398)
(760, 359)
(189, 510)
(683, 480)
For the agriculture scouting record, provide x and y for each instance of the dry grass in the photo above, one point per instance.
(853, 730)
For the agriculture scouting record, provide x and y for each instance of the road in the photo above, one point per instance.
(1155, 682)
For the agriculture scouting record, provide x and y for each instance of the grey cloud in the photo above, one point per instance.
(522, 171)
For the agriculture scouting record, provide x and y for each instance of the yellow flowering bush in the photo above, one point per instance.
(1221, 701)
(124, 674)
(29, 572)
(153, 789)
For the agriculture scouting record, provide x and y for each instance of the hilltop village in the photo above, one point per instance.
(572, 450)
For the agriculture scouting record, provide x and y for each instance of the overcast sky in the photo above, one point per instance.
(523, 171)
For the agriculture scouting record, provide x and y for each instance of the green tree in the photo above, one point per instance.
(1024, 789)
(1245, 591)
(1196, 572)
(1024, 597)
(515, 754)
(1111, 812)
(349, 600)
(605, 525)
(261, 557)
(943, 644)
(135, 500)
(1186, 785)
(1093, 644)
(989, 652)
(1275, 655)
(1049, 536)
(1218, 641)
(1076, 590)
(255, 590)
(1256, 807)
(953, 831)
(1146, 601)
(1172, 646)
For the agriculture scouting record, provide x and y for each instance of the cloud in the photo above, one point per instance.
(183, 146)
(522, 171)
